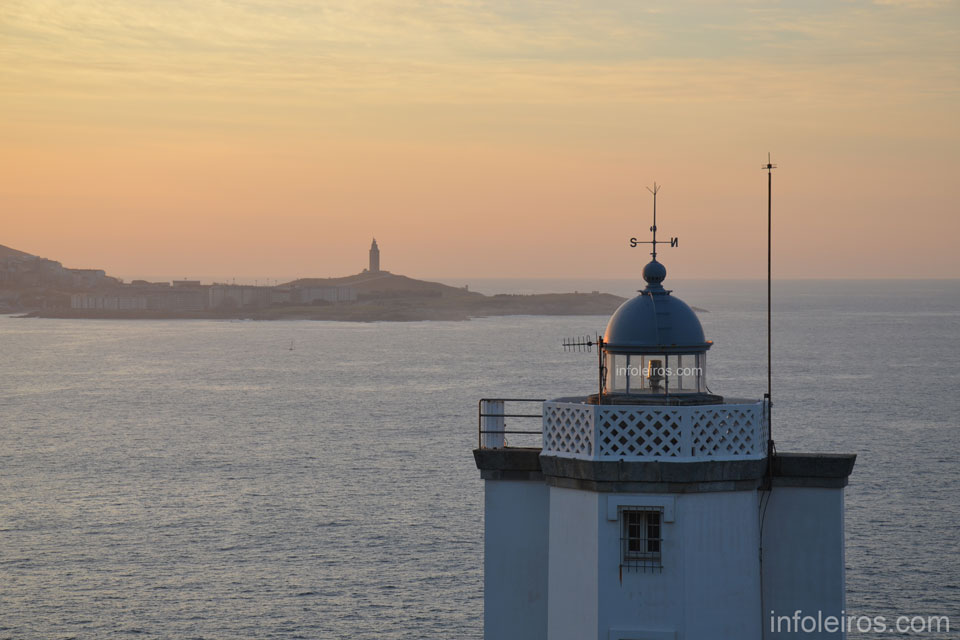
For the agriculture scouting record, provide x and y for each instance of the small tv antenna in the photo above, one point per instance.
(579, 344)
(674, 241)
(585, 344)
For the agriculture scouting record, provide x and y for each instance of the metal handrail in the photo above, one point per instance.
(481, 415)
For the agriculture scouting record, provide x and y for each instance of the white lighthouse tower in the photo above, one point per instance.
(656, 509)
(374, 257)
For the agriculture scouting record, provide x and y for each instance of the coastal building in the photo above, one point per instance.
(656, 509)
(91, 278)
(23, 270)
(236, 296)
(145, 284)
(182, 296)
(374, 257)
(108, 302)
(281, 296)
(313, 295)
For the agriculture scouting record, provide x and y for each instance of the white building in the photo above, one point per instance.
(312, 295)
(653, 510)
(108, 302)
(237, 296)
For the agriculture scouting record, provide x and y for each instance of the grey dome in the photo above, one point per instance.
(655, 321)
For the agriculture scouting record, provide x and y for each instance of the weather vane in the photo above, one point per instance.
(674, 241)
(769, 166)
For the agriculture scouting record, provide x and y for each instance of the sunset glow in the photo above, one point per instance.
(480, 139)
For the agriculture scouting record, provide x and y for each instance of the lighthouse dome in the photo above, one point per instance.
(654, 351)
(655, 321)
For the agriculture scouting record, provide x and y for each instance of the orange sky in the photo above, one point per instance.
(273, 138)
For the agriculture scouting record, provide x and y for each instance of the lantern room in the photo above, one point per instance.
(654, 351)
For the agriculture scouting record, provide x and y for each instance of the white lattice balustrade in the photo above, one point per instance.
(571, 429)
(641, 432)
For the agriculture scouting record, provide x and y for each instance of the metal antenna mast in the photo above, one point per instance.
(769, 167)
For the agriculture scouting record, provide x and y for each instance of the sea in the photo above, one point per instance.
(193, 479)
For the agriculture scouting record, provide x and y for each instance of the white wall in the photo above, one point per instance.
(709, 586)
(803, 556)
(573, 594)
(516, 518)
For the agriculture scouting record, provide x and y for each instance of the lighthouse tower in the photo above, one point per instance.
(374, 257)
(656, 509)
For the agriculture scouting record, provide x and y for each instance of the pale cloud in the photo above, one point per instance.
(917, 4)
(364, 43)
(369, 65)
(343, 85)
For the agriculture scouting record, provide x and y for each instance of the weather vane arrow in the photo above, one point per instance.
(674, 241)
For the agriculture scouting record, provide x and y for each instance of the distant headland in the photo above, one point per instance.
(38, 287)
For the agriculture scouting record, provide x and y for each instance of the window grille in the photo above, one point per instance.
(641, 539)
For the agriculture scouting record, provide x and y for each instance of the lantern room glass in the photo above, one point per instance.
(656, 373)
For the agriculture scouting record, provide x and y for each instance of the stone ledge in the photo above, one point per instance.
(653, 487)
(655, 471)
(507, 474)
(823, 470)
(811, 470)
(508, 459)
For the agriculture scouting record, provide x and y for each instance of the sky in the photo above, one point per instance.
(275, 138)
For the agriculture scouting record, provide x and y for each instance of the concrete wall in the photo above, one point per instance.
(803, 557)
(709, 585)
(636, 603)
(712, 583)
(720, 534)
(516, 518)
(573, 611)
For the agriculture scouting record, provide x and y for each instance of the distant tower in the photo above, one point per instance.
(374, 257)
(654, 509)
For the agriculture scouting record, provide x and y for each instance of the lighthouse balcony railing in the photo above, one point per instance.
(729, 431)
(496, 418)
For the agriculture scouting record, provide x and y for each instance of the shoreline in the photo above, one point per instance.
(412, 309)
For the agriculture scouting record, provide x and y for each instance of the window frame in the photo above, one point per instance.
(635, 527)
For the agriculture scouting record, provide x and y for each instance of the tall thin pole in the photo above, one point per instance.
(769, 167)
(654, 227)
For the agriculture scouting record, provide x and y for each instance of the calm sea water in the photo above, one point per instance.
(200, 479)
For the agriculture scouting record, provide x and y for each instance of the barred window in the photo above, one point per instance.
(640, 538)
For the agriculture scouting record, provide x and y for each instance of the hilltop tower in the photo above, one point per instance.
(655, 508)
(374, 257)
